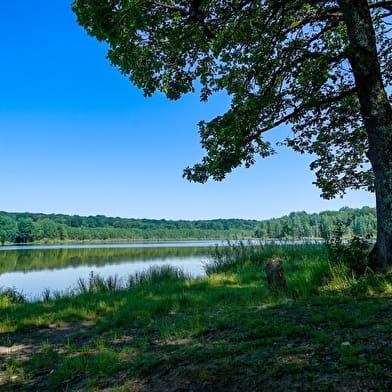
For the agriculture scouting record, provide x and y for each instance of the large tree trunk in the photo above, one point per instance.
(377, 115)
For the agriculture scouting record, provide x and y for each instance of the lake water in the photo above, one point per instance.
(33, 269)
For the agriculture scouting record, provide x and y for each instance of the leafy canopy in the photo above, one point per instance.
(280, 62)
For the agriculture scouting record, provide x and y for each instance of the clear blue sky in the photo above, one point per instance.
(77, 138)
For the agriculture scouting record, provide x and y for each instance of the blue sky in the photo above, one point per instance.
(77, 138)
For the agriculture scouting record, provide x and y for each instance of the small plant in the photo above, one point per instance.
(46, 295)
(10, 296)
(352, 356)
(45, 360)
(13, 370)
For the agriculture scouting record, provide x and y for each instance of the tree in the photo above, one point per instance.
(47, 228)
(8, 229)
(26, 230)
(322, 67)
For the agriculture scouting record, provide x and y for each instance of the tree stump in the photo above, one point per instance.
(275, 274)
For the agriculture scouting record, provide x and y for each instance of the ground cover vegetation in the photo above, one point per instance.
(322, 67)
(49, 228)
(160, 331)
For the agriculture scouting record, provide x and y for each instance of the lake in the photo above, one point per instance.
(33, 269)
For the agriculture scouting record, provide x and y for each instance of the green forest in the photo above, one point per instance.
(22, 228)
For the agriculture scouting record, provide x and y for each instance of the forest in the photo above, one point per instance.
(22, 228)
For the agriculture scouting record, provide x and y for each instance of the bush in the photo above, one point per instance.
(352, 253)
(11, 296)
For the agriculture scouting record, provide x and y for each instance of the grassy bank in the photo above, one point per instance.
(161, 331)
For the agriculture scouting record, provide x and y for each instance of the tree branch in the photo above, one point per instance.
(383, 4)
(298, 109)
(170, 7)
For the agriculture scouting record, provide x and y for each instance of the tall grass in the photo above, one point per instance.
(10, 296)
(154, 275)
(306, 265)
(97, 284)
(233, 257)
(236, 256)
(170, 303)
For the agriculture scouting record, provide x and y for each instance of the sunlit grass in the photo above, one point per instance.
(229, 317)
(236, 278)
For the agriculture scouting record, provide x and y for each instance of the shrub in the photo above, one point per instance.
(11, 296)
(352, 253)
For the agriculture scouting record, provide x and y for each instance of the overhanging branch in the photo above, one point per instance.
(381, 4)
(172, 7)
(298, 109)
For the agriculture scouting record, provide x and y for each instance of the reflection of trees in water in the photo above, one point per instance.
(37, 259)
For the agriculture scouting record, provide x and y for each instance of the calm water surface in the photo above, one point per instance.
(32, 269)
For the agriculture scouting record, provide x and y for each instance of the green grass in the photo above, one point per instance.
(222, 332)
(306, 265)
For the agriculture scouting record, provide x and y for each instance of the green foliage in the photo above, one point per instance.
(26, 230)
(14, 370)
(48, 229)
(10, 296)
(222, 330)
(352, 356)
(353, 254)
(315, 341)
(300, 225)
(27, 227)
(279, 61)
(167, 289)
(8, 229)
(304, 265)
(153, 276)
(342, 281)
(233, 257)
(156, 275)
(98, 365)
(45, 360)
(96, 283)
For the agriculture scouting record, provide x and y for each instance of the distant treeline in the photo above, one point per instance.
(32, 227)
(300, 225)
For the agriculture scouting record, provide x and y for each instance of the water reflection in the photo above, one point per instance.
(34, 259)
(33, 283)
(31, 270)
(155, 244)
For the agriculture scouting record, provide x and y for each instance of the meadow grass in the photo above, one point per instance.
(235, 277)
(306, 265)
(225, 326)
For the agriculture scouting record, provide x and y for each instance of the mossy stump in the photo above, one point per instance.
(275, 274)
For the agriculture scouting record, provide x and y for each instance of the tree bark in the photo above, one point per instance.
(377, 115)
(275, 274)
